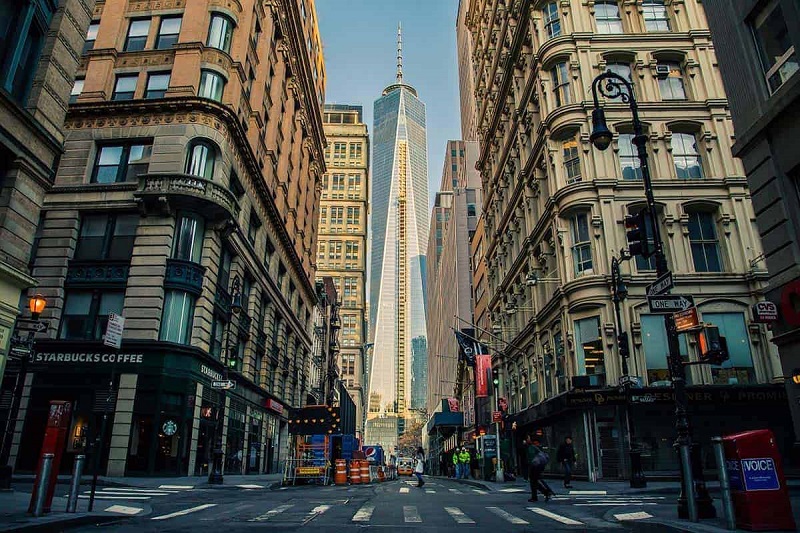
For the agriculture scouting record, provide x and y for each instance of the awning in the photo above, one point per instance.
(439, 420)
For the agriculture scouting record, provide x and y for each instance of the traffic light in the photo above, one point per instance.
(713, 346)
(636, 231)
(622, 343)
(232, 362)
(496, 377)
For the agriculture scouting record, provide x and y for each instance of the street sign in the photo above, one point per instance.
(765, 312)
(497, 416)
(113, 336)
(661, 285)
(21, 351)
(38, 326)
(226, 384)
(686, 320)
(669, 303)
(630, 381)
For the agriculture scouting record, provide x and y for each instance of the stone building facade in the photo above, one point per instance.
(342, 246)
(554, 209)
(186, 201)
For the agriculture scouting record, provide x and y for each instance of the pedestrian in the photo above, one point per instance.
(473, 463)
(442, 464)
(463, 458)
(537, 460)
(419, 468)
(456, 465)
(566, 457)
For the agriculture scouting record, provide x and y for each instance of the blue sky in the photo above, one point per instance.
(359, 43)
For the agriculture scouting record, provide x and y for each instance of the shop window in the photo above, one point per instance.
(581, 244)
(201, 158)
(91, 36)
(590, 356)
(137, 35)
(116, 163)
(739, 369)
(607, 17)
(629, 163)
(671, 87)
(176, 320)
(168, 32)
(655, 15)
(212, 85)
(125, 87)
(85, 315)
(189, 235)
(220, 32)
(106, 236)
(704, 242)
(775, 45)
(552, 24)
(157, 85)
(656, 350)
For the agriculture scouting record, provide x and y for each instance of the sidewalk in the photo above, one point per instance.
(268, 481)
(14, 514)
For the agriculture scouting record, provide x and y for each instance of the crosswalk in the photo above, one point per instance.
(133, 493)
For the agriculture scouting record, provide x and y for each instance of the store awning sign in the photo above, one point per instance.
(87, 357)
(274, 405)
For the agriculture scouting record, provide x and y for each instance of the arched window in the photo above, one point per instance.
(212, 85)
(704, 242)
(201, 158)
(622, 69)
(559, 77)
(688, 164)
(629, 162)
(220, 32)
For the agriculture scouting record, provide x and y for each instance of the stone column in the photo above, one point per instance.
(198, 403)
(21, 414)
(121, 430)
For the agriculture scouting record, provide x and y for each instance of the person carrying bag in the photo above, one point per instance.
(537, 461)
(419, 468)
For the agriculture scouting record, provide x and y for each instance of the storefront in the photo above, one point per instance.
(163, 415)
(596, 421)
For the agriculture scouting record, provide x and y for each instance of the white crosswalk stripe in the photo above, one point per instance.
(459, 516)
(123, 509)
(184, 512)
(133, 493)
(430, 491)
(364, 514)
(505, 515)
(478, 491)
(272, 512)
(641, 515)
(557, 517)
(455, 491)
(404, 490)
(411, 515)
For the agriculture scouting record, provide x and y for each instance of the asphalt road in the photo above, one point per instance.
(393, 506)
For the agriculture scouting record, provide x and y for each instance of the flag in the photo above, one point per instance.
(469, 347)
(482, 370)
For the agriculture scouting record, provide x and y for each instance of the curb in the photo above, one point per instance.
(53, 525)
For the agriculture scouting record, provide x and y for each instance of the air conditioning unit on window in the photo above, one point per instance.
(662, 71)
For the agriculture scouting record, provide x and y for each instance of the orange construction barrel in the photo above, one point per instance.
(364, 471)
(340, 477)
(355, 472)
(381, 474)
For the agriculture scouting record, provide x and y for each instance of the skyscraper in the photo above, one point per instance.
(399, 241)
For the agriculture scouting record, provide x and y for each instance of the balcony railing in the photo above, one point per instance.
(184, 275)
(163, 193)
(97, 273)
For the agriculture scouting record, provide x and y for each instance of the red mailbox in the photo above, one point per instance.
(58, 422)
(758, 486)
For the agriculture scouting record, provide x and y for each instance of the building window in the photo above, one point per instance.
(253, 227)
(137, 35)
(189, 234)
(85, 315)
(77, 89)
(572, 160)
(91, 36)
(704, 242)
(606, 15)
(339, 153)
(202, 156)
(559, 75)
(337, 215)
(656, 350)
(671, 87)
(355, 151)
(224, 274)
(581, 244)
(624, 71)
(269, 251)
(106, 236)
(217, 336)
(590, 356)
(655, 15)
(176, 320)
(23, 29)
(354, 215)
(168, 32)
(351, 251)
(552, 24)
(686, 156)
(220, 32)
(335, 250)
(125, 87)
(116, 163)
(212, 85)
(323, 215)
(643, 264)
(775, 47)
(739, 369)
(629, 158)
(472, 210)
(157, 85)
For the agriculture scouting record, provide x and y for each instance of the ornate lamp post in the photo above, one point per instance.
(215, 474)
(613, 85)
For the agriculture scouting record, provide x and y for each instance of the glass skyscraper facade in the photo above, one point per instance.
(399, 242)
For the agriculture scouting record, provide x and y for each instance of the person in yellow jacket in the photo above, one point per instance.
(463, 459)
(456, 465)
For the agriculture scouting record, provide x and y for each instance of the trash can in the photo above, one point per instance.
(758, 486)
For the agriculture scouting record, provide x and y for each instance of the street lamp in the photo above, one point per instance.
(612, 85)
(37, 305)
(532, 279)
(215, 474)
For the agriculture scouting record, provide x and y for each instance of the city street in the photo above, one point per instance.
(398, 505)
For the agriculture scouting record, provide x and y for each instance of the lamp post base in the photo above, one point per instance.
(638, 480)
(215, 476)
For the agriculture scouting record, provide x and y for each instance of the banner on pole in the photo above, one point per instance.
(482, 368)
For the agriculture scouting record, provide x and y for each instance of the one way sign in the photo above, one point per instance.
(669, 303)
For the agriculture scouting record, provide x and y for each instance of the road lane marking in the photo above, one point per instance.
(122, 509)
(455, 491)
(641, 515)
(430, 491)
(184, 512)
(130, 489)
(315, 512)
(478, 491)
(587, 492)
(507, 516)
(411, 515)
(250, 486)
(131, 493)
(557, 517)
(364, 514)
(512, 490)
(404, 490)
(609, 504)
(179, 487)
(272, 512)
(459, 516)
(99, 496)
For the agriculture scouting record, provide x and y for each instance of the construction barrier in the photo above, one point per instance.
(365, 477)
(355, 472)
(381, 474)
(340, 476)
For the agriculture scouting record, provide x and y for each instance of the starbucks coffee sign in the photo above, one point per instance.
(87, 357)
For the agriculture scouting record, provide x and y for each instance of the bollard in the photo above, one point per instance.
(724, 484)
(44, 481)
(688, 478)
(75, 483)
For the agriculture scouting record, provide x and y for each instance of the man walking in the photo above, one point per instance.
(566, 457)
(463, 458)
(537, 460)
(456, 464)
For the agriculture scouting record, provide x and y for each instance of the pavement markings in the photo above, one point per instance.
(430, 491)
(122, 509)
(250, 486)
(512, 490)
(611, 504)
(455, 491)
(100, 496)
(272, 512)
(364, 514)
(179, 487)
(589, 492)
(184, 512)
(315, 512)
(459, 516)
(505, 515)
(411, 515)
(127, 489)
(554, 516)
(478, 491)
(641, 515)
(404, 490)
